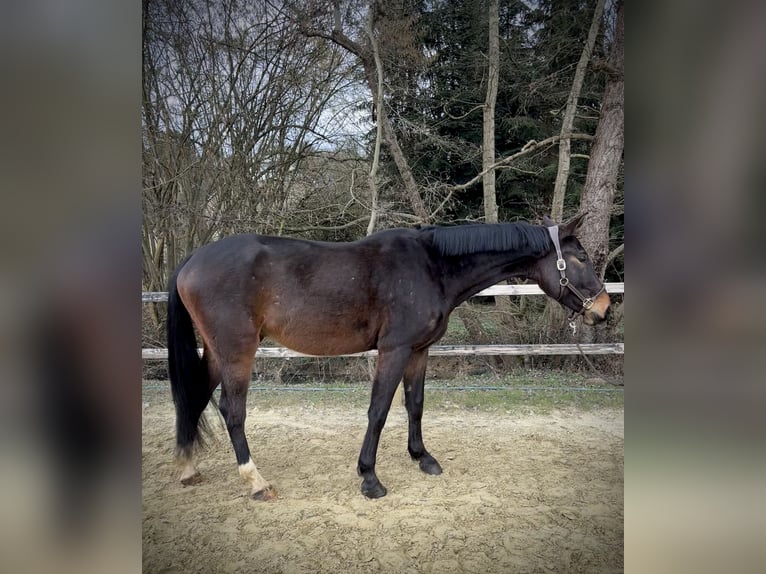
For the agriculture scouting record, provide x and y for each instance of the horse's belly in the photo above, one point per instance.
(325, 336)
(311, 343)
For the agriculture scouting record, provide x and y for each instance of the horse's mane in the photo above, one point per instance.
(530, 239)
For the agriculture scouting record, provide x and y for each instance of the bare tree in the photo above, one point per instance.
(502, 303)
(562, 176)
(233, 103)
(606, 153)
(373, 178)
(488, 127)
(362, 49)
(604, 168)
(598, 194)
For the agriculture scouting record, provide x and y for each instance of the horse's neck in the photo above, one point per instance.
(466, 275)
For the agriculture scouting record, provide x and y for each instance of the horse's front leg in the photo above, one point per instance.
(387, 376)
(414, 379)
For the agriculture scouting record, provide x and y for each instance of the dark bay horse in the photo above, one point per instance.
(392, 291)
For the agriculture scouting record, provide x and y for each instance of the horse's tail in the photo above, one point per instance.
(189, 379)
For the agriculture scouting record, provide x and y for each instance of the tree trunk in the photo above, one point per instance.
(373, 179)
(403, 166)
(562, 176)
(503, 304)
(488, 147)
(606, 155)
(603, 169)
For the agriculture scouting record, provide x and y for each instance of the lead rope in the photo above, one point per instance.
(573, 325)
(594, 371)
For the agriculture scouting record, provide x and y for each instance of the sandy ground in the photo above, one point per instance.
(519, 494)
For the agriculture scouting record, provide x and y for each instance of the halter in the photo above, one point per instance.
(561, 265)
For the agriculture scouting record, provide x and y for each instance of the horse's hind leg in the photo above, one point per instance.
(414, 378)
(235, 380)
(189, 473)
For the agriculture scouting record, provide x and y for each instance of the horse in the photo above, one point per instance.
(392, 291)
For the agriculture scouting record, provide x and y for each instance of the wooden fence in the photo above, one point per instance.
(443, 350)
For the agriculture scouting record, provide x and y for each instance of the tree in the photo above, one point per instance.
(604, 168)
(562, 176)
(488, 129)
(373, 178)
(606, 153)
(362, 48)
(234, 118)
(438, 121)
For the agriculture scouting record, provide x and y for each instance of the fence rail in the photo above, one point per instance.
(441, 350)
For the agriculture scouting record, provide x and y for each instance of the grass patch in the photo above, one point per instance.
(530, 391)
(526, 391)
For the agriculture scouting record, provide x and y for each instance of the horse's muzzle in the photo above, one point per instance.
(599, 311)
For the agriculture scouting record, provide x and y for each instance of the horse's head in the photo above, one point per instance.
(567, 275)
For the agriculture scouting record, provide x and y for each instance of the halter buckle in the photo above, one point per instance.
(561, 265)
(587, 303)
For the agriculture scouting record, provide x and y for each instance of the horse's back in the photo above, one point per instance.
(267, 254)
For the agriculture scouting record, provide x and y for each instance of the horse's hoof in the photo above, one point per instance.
(376, 490)
(267, 493)
(430, 466)
(195, 478)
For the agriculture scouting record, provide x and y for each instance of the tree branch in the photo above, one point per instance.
(473, 109)
(614, 253)
(346, 225)
(562, 175)
(528, 148)
(337, 36)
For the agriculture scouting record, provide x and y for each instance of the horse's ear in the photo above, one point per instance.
(572, 226)
(547, 221)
